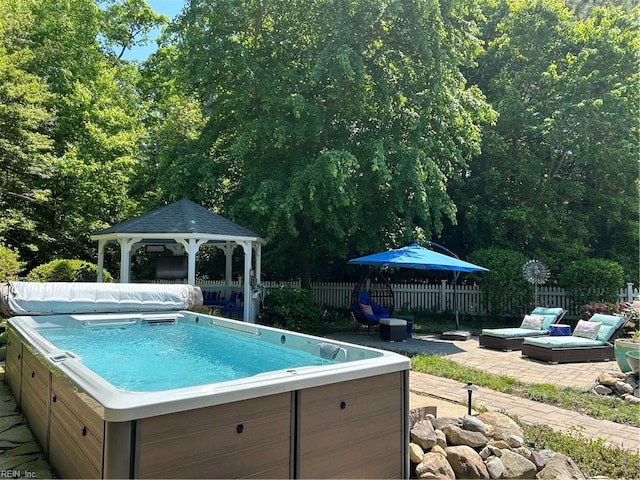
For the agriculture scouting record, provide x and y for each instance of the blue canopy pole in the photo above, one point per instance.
(455, 279)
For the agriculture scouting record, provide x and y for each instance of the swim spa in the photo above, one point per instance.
(327, 410)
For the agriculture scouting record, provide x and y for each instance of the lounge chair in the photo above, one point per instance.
(508, 339)
(367, 312)
(581, 346)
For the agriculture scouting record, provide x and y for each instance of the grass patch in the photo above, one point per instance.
(594, 457)
(570, 398)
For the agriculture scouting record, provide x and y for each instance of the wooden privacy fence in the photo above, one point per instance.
(435, 297)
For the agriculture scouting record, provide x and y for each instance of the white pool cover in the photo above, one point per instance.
(56, 298)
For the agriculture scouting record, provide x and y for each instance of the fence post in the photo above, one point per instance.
(629, 296)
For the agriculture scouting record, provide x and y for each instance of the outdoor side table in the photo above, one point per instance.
(559, 330)
(393, 329)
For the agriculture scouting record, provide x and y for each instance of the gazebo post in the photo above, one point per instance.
(248, 301)
(192, 246)
(101, 244)
(125, 258)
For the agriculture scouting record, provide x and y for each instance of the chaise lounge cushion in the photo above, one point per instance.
(568, 341)
(513, 332)
(613, 320)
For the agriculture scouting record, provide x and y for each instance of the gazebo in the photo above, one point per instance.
(183, 227)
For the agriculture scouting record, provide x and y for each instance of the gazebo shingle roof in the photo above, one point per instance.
(183, 216)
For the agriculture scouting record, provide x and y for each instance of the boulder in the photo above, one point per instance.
(458, 436)
(490, 451)
(466, 462)
(514, 441)
(608, 378)
(602, 390)
(474, 424)
(495, 467)
(435, 466)
(502, 424)
(560, 467)
(516, 466)
(440, 422)
(416, 454)
(538, 460)
(546, 455)
(441, 439)
(440, 450)
(623, 387)
(633, 399)
(423, 434)
(501, 444)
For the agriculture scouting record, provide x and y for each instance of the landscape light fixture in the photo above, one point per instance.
(470, 388)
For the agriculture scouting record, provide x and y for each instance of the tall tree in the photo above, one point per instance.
(93, 131)
(557, 177)
(338, 123)
(25, 125)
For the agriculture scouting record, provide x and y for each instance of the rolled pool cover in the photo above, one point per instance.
(59, 298)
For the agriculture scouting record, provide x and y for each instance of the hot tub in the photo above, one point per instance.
(342, 414)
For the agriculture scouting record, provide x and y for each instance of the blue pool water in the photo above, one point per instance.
(149, 359)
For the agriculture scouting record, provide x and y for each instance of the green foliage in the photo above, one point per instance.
(592, 280)
(70, 129)
(557, 177)
(333, 124)
(593, 457)
(10, 264)
(504, 288)
(293, 309)
(67, 271)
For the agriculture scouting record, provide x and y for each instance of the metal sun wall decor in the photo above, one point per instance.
(537, 273)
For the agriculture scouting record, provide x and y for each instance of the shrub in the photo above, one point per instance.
(505, 290)
(10, 264)
(293, 309)
(67, 271)
(592, 280)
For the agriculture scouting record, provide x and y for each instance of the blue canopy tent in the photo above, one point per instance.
(421, 258)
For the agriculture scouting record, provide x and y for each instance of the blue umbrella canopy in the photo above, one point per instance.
(416, 256)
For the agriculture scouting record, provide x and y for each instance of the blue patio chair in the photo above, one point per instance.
(367, 312)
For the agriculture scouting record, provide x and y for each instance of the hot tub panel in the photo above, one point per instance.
(359, 425)
(13, 364)
(76, 432)
(246, 439)
(34, 401)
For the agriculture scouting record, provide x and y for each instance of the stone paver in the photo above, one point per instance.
(512, 364)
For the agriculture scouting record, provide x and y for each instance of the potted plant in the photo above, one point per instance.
(629, 341)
